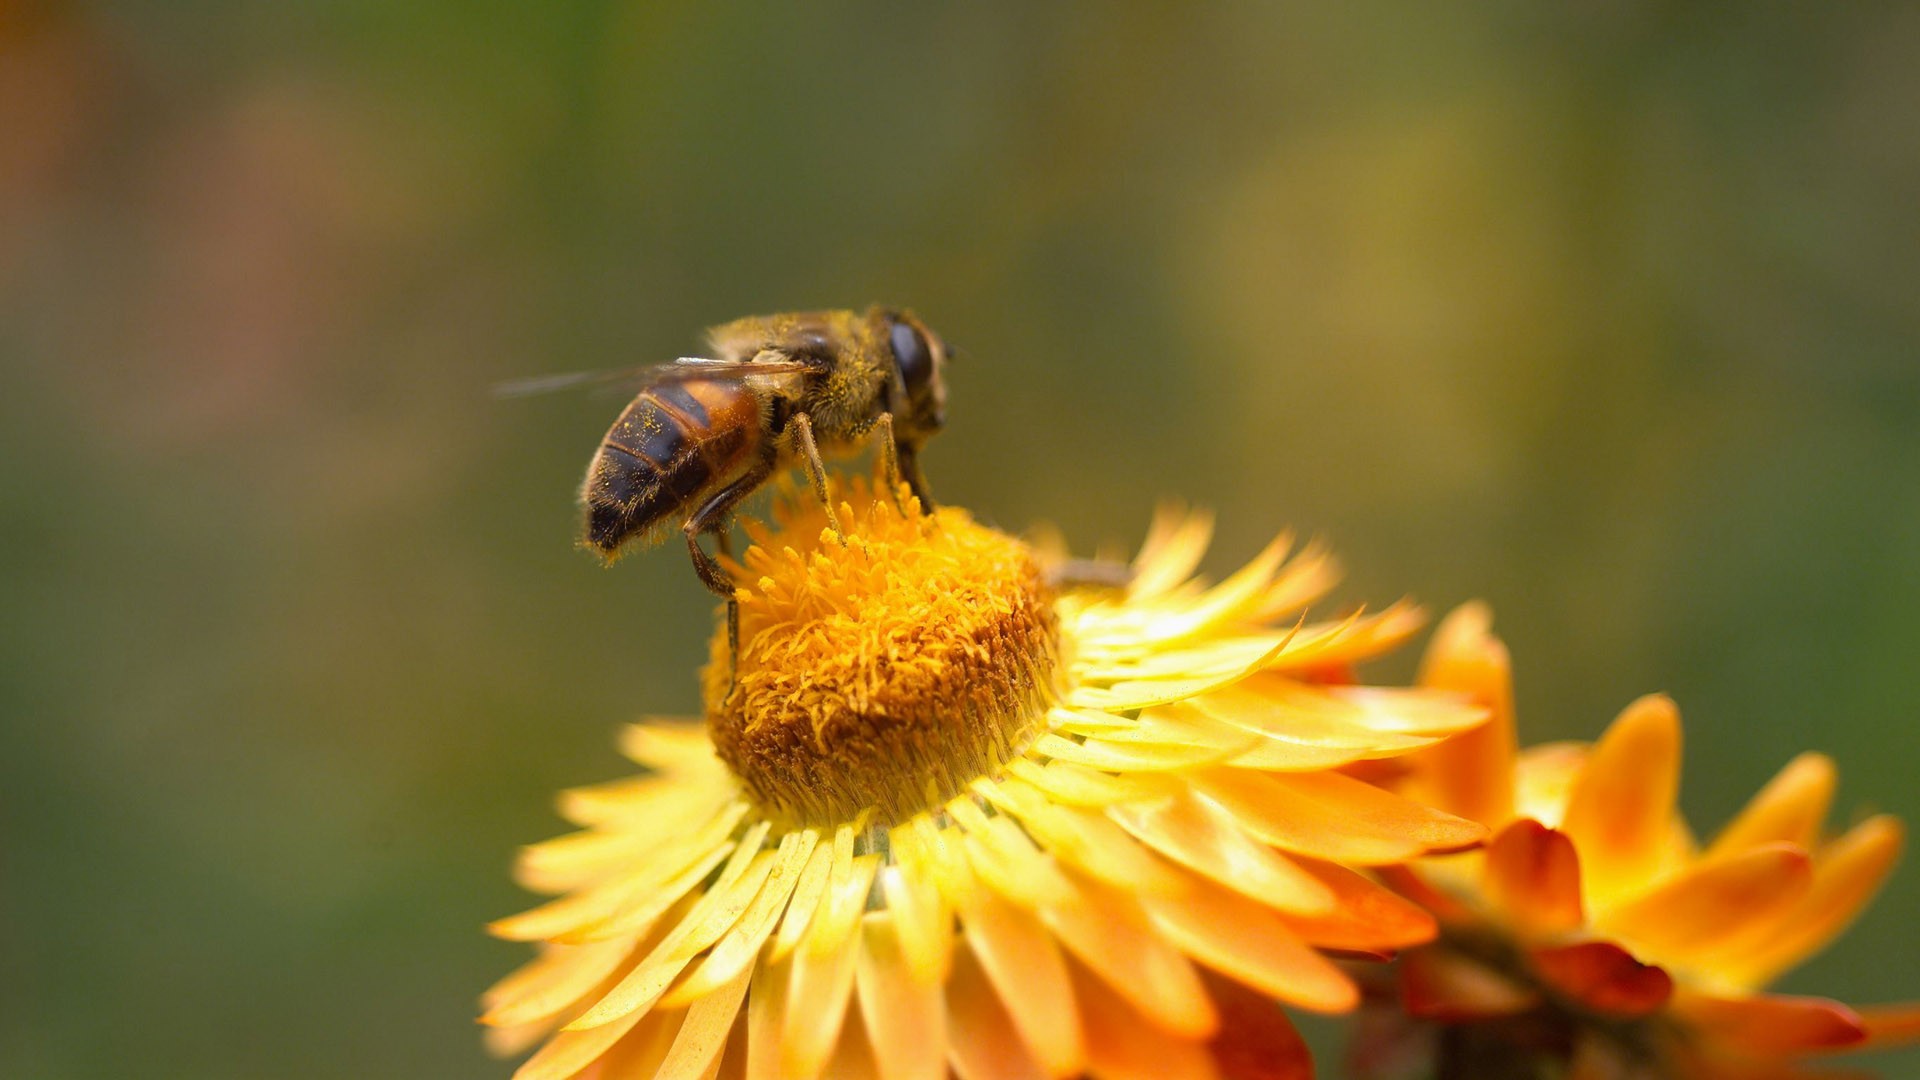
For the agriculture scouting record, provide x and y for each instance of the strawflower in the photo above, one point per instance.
(1593, 938)
(953, 813)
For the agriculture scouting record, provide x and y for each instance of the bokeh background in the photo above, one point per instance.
(1603, 312)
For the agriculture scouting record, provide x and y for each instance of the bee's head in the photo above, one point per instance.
(920, 395)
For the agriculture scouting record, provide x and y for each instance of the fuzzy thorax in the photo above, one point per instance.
(881, 673)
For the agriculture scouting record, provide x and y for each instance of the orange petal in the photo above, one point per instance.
(985, 1044)
(1256, 1040)
(1206, 839)
(1023, 962)
(1772, 1024)
(1471, 774)
(1696, 910)
(1124, 1045)
(1790, 808)
(1892, 1025)
(1620, 811)
(1241, 939)
(905, 1018)
(1106, 930)
(1334, 817)
(1366, 919)
(1532, 873)
(1604, 977)
(1436, 984)
(1846, 874)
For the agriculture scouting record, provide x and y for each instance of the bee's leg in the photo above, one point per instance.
(909, 464)
(887, 453)
(712, 517)
(816, 469)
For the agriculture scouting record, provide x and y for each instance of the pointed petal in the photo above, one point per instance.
(1124, 1045)
(570, 1051)
(766, 1011)
(1256, 1040)
(1242, 940)
(1604, 977)
(1106, 930)
(1207, 840)
(809, 889)
(580, 970)
(1533, 875)
(985, 1045)
(1083, 839)
(1471, 774)
(816, 1000)
(1620, 810)
(1365, 919)
(1334, 817)
(741, 945)
(1846, 875)
(1695, 910)
(1767, 1024)
(1790, 808)
(703, 1035)
(1892, 1025)
(906, 1019)
(1023, 963)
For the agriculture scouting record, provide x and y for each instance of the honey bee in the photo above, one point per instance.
(780, 390)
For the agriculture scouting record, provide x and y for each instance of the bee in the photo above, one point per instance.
(779, 391)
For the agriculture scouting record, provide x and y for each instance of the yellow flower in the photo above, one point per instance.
(1594, 929)
(951, 813)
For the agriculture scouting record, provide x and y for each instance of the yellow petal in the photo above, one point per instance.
(643, 1050)
(1306, 577)
(696, 1049)
(578, 859)
(668, 745)
(582, 968)
(1471, 774)
(1241, 939)
(985, 1045)
(846, 899)
(766, 1011)
(1073, 785)
(906, 1019)
(1790, 808)
(1701, 906)
(1208, 840)
(1083, 839)
(737, 949)
(1175, 543)
(816, 1005)
(1846, 874)
(809, 889)
(638, 899)
(920, 925)
(1023, 962)
(1620, 811)
(570, 1051)
(712, 916)
(1124, 1045)
(1127, 757)
(1109, 933)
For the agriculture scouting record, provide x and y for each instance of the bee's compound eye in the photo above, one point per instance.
(915, 359)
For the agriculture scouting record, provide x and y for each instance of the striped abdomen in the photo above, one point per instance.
(674, 443)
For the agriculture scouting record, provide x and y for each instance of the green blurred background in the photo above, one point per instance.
(1604, 312)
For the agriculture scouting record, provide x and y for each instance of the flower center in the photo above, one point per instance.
(881, 673)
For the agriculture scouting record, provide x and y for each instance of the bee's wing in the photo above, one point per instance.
(635, 379)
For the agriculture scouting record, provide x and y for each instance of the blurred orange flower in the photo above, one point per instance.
(1594, 929)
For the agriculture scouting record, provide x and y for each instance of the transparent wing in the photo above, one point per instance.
(635, 379)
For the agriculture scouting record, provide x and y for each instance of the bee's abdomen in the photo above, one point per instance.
(673, 443)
